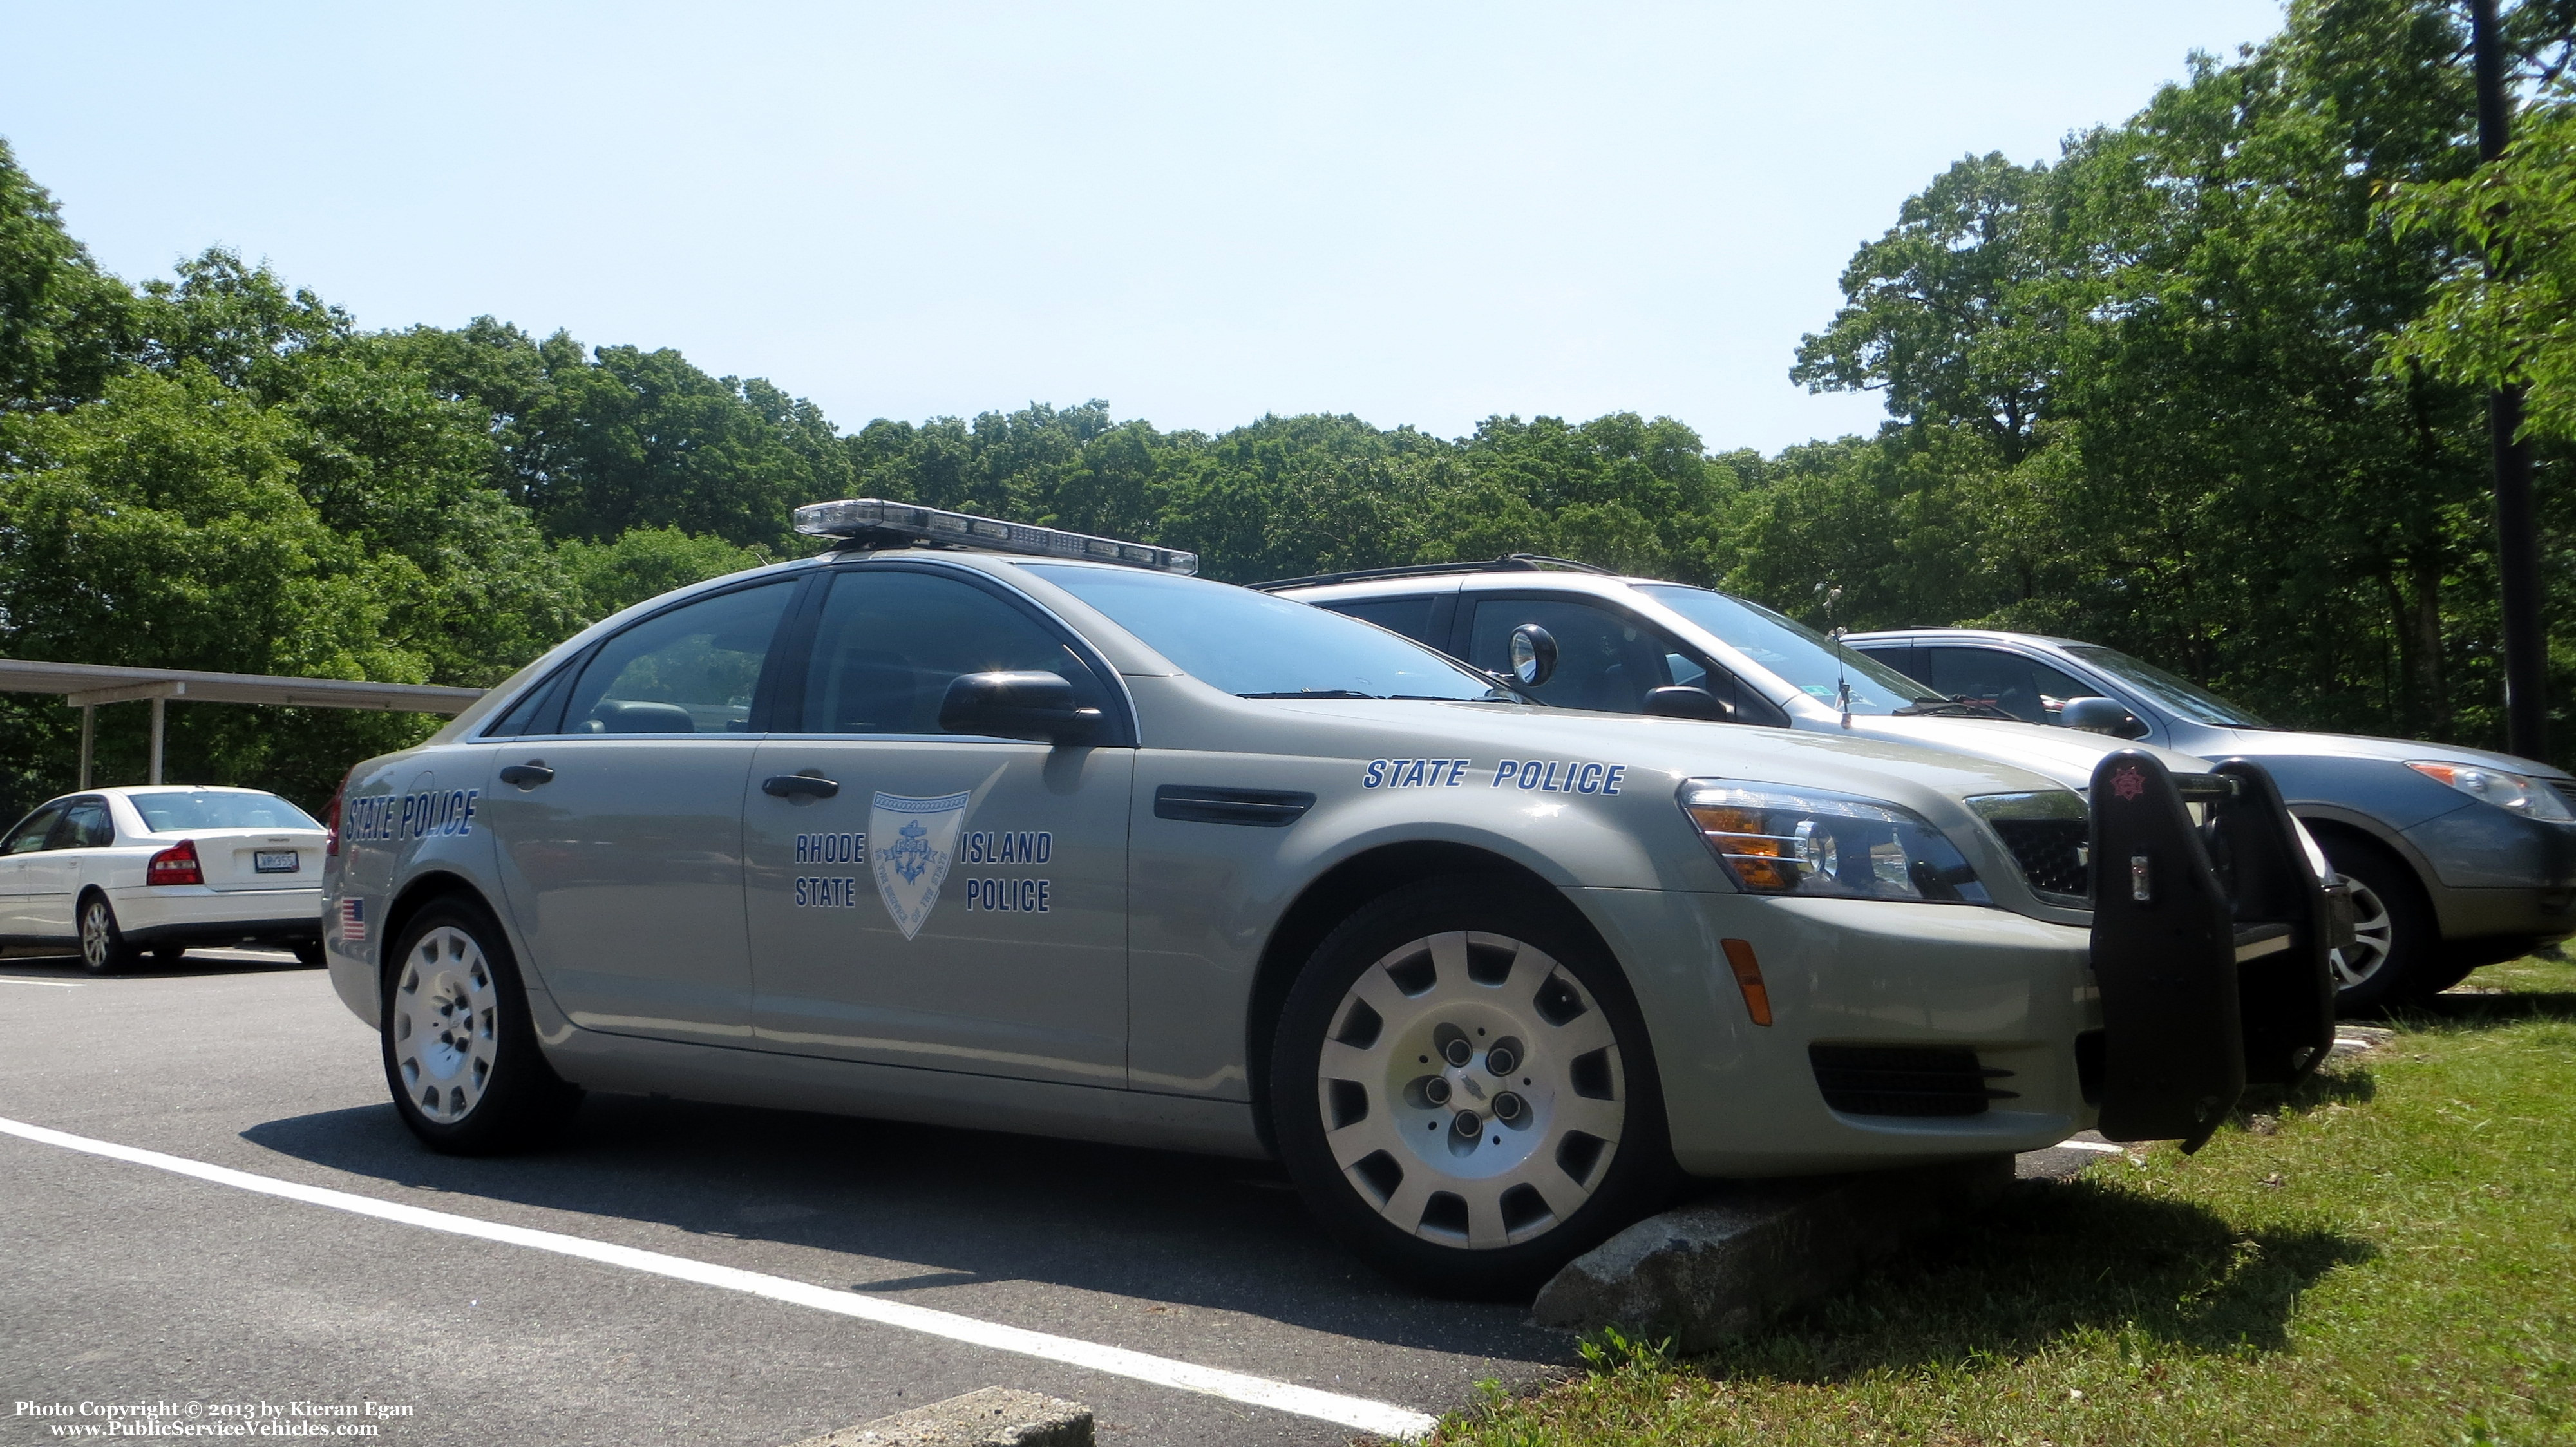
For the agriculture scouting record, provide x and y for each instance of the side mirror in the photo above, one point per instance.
(1533, 655)
(2101, 716)
(1682, 700)
(1016, 706)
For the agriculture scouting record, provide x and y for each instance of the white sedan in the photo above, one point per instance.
(117, 872)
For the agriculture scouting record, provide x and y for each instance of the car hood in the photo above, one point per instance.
(2067, 756)
(1488, 733)
(2257, 743)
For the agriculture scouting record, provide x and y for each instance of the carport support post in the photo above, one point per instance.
(159, 705)
(89, 736)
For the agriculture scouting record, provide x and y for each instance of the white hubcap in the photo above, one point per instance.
(2372, 932)
(1471, 1090)
(444, 1024)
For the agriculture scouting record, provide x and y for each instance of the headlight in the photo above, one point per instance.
(1778, 840)
(2530, 798)
(2048, 833)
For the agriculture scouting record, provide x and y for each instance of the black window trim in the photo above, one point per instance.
(1117, 731)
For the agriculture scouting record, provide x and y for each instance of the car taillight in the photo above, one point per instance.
(175, 865)
(331, 820)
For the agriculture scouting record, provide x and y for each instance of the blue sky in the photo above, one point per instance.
(1423, 213)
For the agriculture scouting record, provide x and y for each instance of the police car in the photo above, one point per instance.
(980, 824)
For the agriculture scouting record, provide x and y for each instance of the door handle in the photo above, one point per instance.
(788, 786)
(526, 776)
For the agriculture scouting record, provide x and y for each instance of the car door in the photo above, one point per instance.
(2022, 686)
(54, 873)
(925, 898)
(1606, 658)
(617, 811)
(18, 855)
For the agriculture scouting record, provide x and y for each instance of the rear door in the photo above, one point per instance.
(957, 902)
(618, 820)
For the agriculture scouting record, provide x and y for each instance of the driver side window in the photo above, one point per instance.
(1605, 660)
(30, 834)
(2025, 688)
(892, 640)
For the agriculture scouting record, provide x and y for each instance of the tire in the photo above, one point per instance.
(308, 955)
(169, 957)
(1399, 1020)
(460, 1054)
(103, 947)
(2399, 959)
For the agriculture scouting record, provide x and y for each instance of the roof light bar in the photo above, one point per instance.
(876, 520)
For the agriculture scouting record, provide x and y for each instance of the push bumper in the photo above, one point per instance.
(2209, 945)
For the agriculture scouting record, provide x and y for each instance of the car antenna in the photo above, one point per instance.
(1842, 680)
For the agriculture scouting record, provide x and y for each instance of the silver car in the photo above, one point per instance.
(2458, 857)
(980, 824)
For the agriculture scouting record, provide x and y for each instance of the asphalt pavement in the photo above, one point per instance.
(126, 1282)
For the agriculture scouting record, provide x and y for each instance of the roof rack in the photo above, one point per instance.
(868, 522)
(1507, 563)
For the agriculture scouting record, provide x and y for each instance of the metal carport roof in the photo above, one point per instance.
(87, 685)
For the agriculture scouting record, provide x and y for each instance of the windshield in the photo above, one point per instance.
(1257, 646)
(2188, 699)
(1801, 657)
(181, 812)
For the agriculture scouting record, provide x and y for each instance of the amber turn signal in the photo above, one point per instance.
(1748, 978)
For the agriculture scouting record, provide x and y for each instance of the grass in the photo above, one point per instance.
(2388, 1256)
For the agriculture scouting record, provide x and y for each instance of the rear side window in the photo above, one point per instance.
(85, 826)
(891, 641)
(691, 670)
(181, 811)
(1408, 616)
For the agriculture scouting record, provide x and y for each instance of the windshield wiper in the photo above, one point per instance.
(1947, 706)
(1311, 693)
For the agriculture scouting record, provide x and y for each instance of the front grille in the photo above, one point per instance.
(2050, 853)
(1905, 1079)
(2565, 792)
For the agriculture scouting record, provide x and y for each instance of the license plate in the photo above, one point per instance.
(277, 861)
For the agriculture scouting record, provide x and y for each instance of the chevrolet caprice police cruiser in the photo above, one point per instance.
(973, 823)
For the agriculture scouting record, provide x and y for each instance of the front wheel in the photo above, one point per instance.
(460, 1052)
(2395, 958)
(1463, 1091)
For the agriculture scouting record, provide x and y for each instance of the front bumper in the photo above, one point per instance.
(1906, 1033)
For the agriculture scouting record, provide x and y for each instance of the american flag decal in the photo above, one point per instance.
(353, 919)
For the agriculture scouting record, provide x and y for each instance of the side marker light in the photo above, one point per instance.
(1748, 978)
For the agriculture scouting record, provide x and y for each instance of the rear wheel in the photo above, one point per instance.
(308, 955)
(103, 947)
(2396, 957)
(1463, 1092)
(460, 1053)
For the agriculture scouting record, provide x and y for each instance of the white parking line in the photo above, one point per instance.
(1360, 1413)
(2099, 1147)
(50, 984)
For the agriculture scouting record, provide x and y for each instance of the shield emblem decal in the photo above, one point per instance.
(911, 842)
